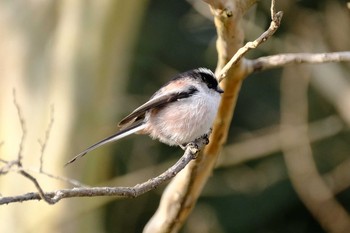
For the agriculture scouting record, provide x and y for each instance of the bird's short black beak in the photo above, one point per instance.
(218, 89)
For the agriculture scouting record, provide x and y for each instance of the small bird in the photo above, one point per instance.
(180, 112)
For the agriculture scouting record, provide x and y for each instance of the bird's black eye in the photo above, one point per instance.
(209, 79)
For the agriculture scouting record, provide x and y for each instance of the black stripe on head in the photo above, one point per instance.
(203, 74)
(207, 77)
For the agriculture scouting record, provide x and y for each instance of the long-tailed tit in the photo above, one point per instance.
(180, 112)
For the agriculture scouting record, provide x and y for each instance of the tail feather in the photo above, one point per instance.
(118, 135)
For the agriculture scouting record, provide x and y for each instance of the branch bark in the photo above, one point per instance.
(280, 60)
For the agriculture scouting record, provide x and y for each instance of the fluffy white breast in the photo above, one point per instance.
(187, 119)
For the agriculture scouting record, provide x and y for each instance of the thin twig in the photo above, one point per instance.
(73, 182)
(23, 127)
(43, 143)
(273, 9)
(9, 164)
(274, 25)
(38, 187)
(17, 162)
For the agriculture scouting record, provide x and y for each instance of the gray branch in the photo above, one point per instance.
(120, 192)
(279, 60)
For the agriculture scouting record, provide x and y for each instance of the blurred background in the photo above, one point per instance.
(86, 64)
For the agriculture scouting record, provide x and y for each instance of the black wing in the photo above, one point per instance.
(155, 102)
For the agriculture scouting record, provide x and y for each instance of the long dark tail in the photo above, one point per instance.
(118, 135)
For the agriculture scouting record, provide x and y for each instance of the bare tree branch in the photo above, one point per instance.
(43, 143)
(38, 187)
(121, 192)
(23, 127)
(275, 61)
(17, 162)
(8, 166)
(274, 25)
